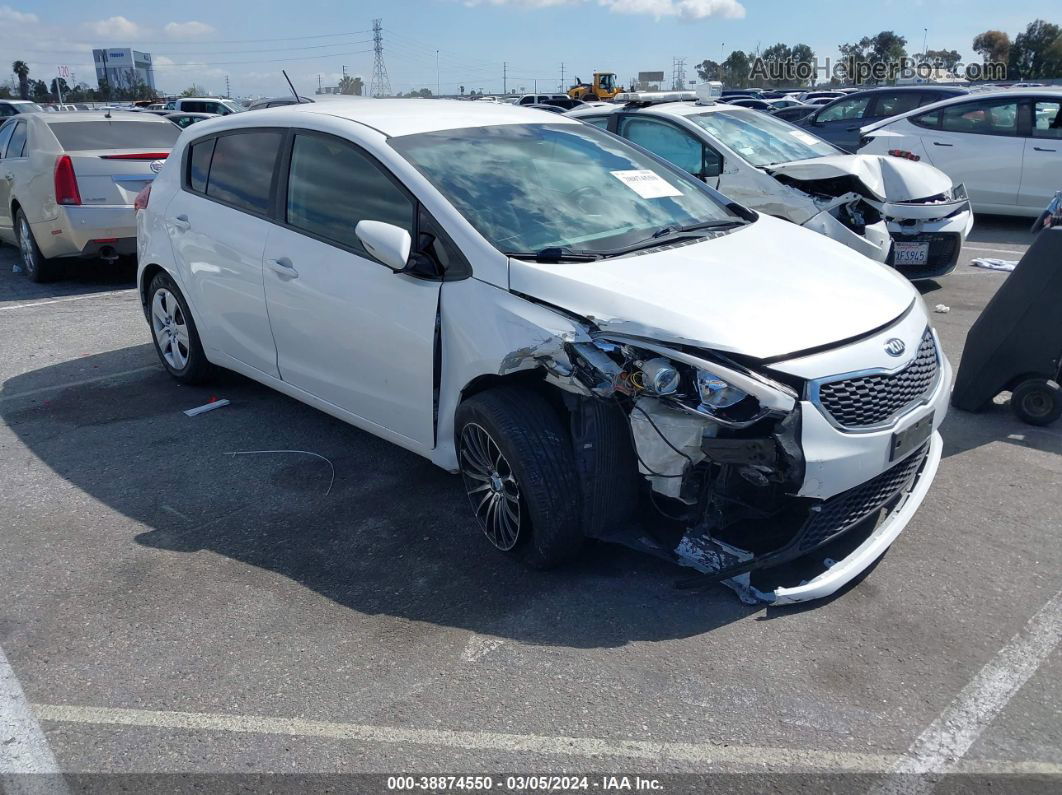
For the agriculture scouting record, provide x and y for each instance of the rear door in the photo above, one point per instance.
(114, 160)
(7, 176)
(977, 143)
(348, 329)
(218, 224)
(1041, 173)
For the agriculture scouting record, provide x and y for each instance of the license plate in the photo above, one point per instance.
(911, 438)
(910, 253)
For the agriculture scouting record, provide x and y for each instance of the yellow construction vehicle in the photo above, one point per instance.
(604, 87)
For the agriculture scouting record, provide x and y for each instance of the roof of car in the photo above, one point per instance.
(668, 108)
(98, 115)
(394, 117)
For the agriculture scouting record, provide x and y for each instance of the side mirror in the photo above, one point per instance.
(713, 167)
(388, 243)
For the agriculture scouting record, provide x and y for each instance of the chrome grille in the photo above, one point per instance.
(848, 508)
(870, 400)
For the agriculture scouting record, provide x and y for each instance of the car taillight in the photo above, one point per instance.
(66, 191)
(904, 154)
(141, 200)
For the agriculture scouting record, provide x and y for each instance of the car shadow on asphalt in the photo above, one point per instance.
(964, 430)
(393, 534)
(76, 277)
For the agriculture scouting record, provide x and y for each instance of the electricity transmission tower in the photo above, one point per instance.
(380, 86)
(678, 74)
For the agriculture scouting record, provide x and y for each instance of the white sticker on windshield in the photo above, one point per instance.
(804, 137)
(646, 184)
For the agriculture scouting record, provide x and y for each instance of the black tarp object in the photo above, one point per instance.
(1019, 333)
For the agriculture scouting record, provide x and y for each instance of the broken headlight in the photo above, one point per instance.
(717, 393)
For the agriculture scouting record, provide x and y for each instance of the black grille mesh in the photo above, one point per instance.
(848, 508)
(872, 399)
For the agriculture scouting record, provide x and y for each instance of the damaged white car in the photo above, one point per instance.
(600, 344)
(904, 213)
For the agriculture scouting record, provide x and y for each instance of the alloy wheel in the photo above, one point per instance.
(491, 487)
(25, 246)
(170, 327)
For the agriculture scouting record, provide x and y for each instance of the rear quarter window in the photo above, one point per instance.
(86, 135)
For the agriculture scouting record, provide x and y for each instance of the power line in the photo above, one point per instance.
(172, 43)
(380, 85)
(262, 60)
(237, 52)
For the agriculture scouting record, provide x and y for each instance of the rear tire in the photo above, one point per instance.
(519, 473)
(174, 333)
(1037, 401)
(34, 264)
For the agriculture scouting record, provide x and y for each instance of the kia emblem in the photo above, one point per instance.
(895, 347)
(156, 167)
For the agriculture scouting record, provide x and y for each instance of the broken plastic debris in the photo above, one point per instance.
(16, 268)
(213, 404)
(297, 452)
(993, 264)
(942, 309)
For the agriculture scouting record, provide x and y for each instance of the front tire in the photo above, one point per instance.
(34, 264)
(1037, 401)
(519, 473)
(174, 333)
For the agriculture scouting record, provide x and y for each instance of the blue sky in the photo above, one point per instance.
(200, 41)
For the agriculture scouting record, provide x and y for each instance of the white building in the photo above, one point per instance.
(124, 68)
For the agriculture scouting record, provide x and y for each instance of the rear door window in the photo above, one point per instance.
(1047, 119)
(893, 103)
(199, 164)
(987, 117)
(17, 144)
(5, 136)
(76, 136)
(241, 170)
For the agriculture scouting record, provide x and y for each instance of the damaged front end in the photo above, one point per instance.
(689, 456)
(905, 214)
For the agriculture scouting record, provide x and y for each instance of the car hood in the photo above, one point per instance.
(890, 179)
(765, 290)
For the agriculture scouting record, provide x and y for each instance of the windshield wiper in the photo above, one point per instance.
(554, 254)
(669, 234)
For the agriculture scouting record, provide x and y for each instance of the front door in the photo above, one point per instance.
(348, 329)
(1041, 173)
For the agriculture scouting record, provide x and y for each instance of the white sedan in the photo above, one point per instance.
(567, 321)
(1004, 146)
(906, 214)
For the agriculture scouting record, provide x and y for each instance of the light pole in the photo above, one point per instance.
(925, 38)
(438, 79)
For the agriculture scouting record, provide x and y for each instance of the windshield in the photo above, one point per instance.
(29, 107)
(228, 103)
(761, 139)
(531, 187)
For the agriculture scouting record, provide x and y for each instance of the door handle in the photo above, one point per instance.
(1041, 149)
(182, 223)
(938, 143)
(284, 268)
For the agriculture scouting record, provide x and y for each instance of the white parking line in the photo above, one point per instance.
(24, 751)
(940, 748)
(1018, 251)
(32, 304)
(82, 382)
(705, 753)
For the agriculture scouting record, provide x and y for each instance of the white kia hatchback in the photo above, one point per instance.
(600, 344)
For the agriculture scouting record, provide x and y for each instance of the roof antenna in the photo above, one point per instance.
(298, 99)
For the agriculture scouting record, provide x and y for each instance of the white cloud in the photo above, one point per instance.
(115, 27)
(188, 30)
(8, 14)
(683, 9)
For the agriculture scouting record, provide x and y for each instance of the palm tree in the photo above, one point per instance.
(346, 85)
(21, 68)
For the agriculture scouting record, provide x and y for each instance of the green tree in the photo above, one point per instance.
(946, 59)
(993, 46)
(1036, 53)
(39, 90)
(735, 71)
(59, 86)
(194, 90)
(708, 70)
(21, 70)
(885, 48)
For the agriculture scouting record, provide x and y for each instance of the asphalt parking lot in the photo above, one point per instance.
(167, 607)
